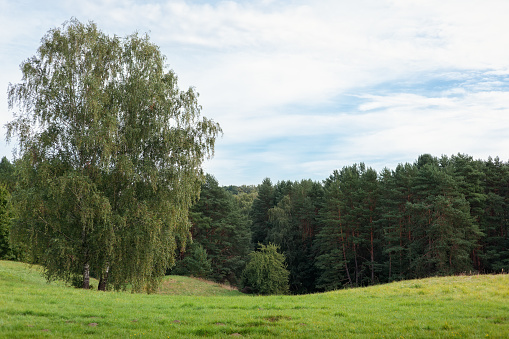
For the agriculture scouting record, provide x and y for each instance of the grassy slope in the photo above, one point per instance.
(178, 285)
(469, 307)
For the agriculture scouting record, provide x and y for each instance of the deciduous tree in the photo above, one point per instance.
(266, 271)
(110, 154)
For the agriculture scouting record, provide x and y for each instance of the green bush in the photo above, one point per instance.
(266, 272)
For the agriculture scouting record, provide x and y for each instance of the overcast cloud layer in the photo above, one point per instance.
(305, 87)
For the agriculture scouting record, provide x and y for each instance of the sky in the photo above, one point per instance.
(302, 88)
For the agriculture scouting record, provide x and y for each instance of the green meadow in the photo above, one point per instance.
(445, 307)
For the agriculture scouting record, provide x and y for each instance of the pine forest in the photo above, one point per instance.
(437, 216)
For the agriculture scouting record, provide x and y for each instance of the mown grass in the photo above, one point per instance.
(450, 307)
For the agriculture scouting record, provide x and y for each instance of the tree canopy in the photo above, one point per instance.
(110, 154)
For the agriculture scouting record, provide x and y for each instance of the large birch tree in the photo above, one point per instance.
(110, 153)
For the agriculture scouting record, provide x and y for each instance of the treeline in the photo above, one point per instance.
(437, 216)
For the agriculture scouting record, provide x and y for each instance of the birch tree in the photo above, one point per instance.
(110, 153)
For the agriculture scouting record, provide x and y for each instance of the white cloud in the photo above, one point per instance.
(412, 125)
(401, 127)
(256, 65)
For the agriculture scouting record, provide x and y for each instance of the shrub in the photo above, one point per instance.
(266, 272)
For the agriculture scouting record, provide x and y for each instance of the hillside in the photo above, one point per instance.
(179, 285)
(462, 306)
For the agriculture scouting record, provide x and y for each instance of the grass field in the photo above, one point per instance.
(450, 307)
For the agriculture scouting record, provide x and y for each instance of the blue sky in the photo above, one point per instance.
(302, 88)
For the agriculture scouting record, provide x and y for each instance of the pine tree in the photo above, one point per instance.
(370, 191)
(259, 214)
(443, 230)
(493, 249)
(294, 226)
(339, 240)
(221, 230)
(395, 220)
